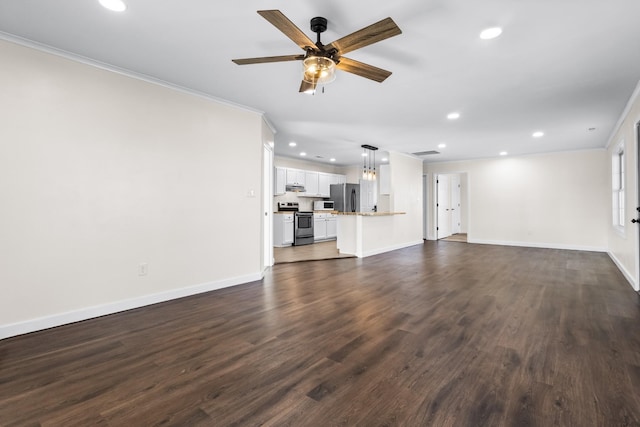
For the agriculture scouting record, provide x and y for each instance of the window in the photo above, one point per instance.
(618, 185)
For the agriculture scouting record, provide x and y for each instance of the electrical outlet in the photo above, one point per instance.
(251, 193)
(143, 269)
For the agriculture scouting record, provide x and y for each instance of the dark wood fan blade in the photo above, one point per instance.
(363, 70)
(368, 35)
(264, 59)
(307, 87)
(289, 29)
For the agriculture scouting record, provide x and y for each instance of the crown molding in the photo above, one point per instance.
(124, 72)
(627, 109)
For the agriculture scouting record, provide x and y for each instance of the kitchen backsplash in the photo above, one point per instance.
(305, 203)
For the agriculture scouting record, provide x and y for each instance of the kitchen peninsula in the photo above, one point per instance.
(369, 233)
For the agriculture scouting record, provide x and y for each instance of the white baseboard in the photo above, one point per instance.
(52, 321)
(624, 271)
(392, 248)
(539, 245)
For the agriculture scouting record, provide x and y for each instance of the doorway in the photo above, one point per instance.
(450, 223)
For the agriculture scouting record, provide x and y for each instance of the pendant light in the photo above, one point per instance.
(369, 162)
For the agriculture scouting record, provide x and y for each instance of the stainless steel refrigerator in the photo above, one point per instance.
(346, 197)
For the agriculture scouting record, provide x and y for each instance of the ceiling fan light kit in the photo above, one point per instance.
(321, 61)
(318, 70)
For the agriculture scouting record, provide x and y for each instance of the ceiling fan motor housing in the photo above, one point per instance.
(318, 24)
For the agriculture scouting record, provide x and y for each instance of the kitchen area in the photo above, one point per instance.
(306, 207)
(351, 211)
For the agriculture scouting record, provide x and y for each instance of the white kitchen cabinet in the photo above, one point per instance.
(281, 181)
(319, 226)
(283, 229)
(332, 226)
(325, 226)
(323, 184)
(295, 177)
(316, 184)
(310, 184)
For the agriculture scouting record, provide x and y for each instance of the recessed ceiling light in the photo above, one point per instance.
(443, 145)
(538, 134)
(303, 154)
(490, 33)
(453, 116)
(384, 159)
(114, 5)
(332, 159)
(503, 153)
(292, 144)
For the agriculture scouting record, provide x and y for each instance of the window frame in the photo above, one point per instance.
(618, 187)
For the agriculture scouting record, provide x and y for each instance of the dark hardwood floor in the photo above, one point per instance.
(440, 334)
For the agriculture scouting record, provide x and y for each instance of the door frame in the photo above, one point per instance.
(267, 206)
(455, 212)
(432, 209)
(425, 207)
(438, 178)
(636, 214)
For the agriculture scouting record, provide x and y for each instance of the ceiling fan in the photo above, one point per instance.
(319, 60)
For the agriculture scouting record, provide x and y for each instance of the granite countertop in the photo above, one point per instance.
(371, 213)
(349, 213)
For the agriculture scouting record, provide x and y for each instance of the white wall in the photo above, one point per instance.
(100, 172)
(556, 200)
(623, 247)
(287, 162)
(370, 235)
(406, 196)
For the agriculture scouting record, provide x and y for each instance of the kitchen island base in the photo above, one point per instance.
(371, 233)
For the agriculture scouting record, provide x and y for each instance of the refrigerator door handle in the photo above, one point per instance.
(353, 200)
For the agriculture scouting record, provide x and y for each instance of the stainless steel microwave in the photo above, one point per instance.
(323, 205)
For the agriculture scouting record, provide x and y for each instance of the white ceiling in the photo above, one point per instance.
(561, 66)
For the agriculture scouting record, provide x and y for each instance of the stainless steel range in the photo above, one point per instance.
(303, 228)
(302, 224)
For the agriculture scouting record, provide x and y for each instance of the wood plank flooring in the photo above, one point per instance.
(440, 334)
(314, 252)
(458, 237)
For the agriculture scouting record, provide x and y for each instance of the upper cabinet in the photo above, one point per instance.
(281, 181)
(310, 184)
(316, 184)
(295, 177)
(323, 183)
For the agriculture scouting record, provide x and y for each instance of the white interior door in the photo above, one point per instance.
(443, 205)
(455, 204)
